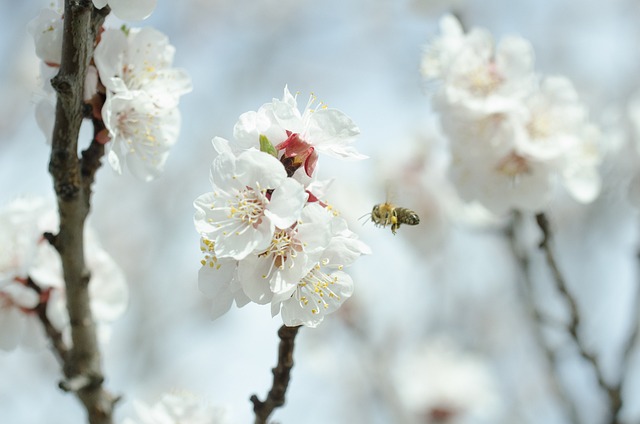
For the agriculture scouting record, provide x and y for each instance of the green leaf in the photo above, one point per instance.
(267, 147)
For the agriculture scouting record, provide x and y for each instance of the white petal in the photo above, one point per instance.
(203, 204)
(515, 57)
(583, 183)
(33, 335)
(256, 289)
(286, 203)
(332, 126)
(114, 161)
(255, 167)
(21, 296)
(221, 145)
(108, 286)
(45, 117)
(12, 322)
(109, 56)
(132, 10)
(214, 280)
(211, 283)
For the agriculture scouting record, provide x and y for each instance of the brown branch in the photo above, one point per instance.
(59, 347)
(539, 321)
(627, 350)
(83, 363)
(613, 391)
(281, 376)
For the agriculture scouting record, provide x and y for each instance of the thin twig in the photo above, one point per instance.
(91, 157)
(628, 348)
(83, 363)
(281, 376)
(59, 347)
(539, 321)
(613, 391)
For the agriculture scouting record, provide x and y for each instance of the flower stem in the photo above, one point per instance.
(281, 376)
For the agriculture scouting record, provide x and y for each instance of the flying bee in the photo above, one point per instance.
(386, 213)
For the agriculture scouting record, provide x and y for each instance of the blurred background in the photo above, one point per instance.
(441, 328)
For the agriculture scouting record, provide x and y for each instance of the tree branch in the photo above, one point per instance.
(539, 320)
(83, 362)
(59, 347)
(281, 376)
(613, 391)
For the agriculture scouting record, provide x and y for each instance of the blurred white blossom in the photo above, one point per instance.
(178, 408)
(439, 384)
(31, 274)
(46, 30)
(514, 137)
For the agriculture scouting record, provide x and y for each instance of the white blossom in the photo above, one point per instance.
(142, 93)
(178, 408)
(299, 135)
(18, 323)
(514, 137)
(439, 383)
(128, 10)
(319, 293)
(555, 120)
(46, 30)
(325, 287)
(218, 281)
(291, 254)
(478, 75)
(251, 196)
(140, 59)
(141, 133)
(31, 274)
(265, 234)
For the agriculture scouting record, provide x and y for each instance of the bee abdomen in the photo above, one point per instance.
(407, 216)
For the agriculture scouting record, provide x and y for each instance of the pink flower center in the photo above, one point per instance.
(297, 152)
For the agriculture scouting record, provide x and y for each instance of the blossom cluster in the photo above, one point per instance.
(515, 136)
(31, 277)
(266, 235)
(131, 86)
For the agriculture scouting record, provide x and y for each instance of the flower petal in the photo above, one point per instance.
(286, 203)
(131, 10)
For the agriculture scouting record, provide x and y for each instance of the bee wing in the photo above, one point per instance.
(390, 191)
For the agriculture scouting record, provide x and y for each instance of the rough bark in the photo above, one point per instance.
(71, 180)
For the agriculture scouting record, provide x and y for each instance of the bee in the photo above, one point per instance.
(386, 213)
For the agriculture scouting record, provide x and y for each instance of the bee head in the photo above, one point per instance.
(375, 212)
